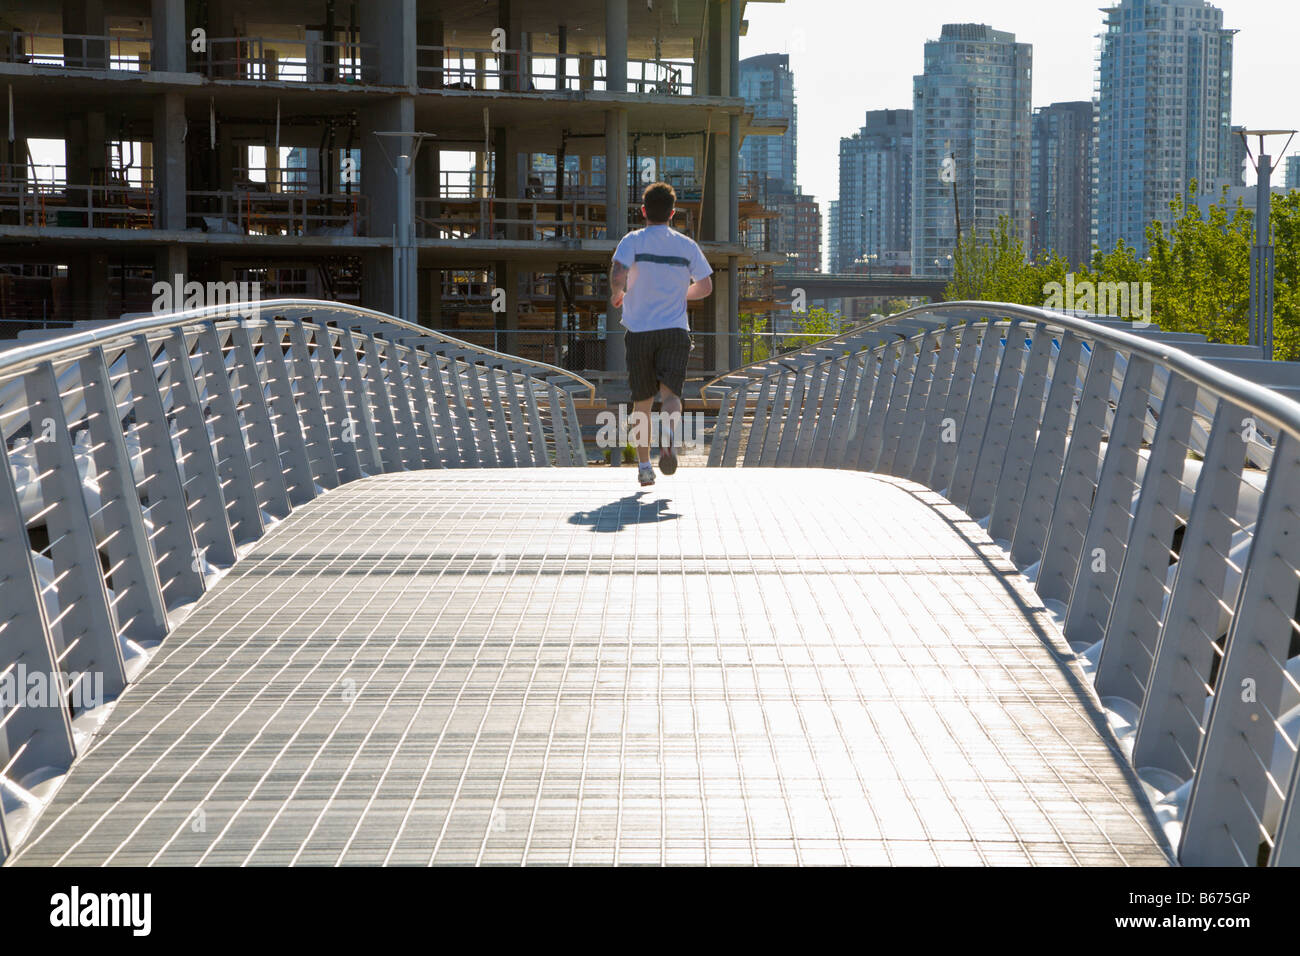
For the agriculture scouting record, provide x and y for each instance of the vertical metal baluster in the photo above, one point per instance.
(263, 451)
(726, 422)
(970, 434)
(236, 471)
(284, 416)
(954, 408)
(790, 427)
(137, 592)
(382, 405)
(1169, 730)
(781, 404)
(844, 410)
(175, 549)
(1070, 514)
(1134, 623)
(430, 454)
(873, 433)
(344, 430)
(1106, 537)
(207, 501)
(941, 378)
(311, 411)
(1006, 494)
(33, 737)
(89, 626)
(918, 397)
(360, 405)
(1230, 787)
(900, 395)
(762, 419)
(811, 415)
(1034, 512)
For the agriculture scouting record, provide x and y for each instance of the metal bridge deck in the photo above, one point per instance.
(550, 667)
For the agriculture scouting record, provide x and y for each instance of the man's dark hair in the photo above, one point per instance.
(659, 199)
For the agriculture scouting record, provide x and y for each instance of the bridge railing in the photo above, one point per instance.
(1151, 495)
(141, 458)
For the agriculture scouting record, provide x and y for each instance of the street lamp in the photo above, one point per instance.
(1261, 260)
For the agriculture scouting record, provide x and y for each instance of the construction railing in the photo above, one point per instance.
(467, 68)
(79, 51)
(290, 60)
(264, 213)
(1147, 482)
(142, 458)
(527, 220)
(111, 205)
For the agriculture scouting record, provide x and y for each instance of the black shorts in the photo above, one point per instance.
(657, 357)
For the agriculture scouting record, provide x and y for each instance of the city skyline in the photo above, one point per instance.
(833, 97)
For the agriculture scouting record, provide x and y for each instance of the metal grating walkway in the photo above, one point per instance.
(553, 667)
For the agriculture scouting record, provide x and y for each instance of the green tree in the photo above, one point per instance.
(813, 326)
(994, 268)
(1198, 267)
(754, 343)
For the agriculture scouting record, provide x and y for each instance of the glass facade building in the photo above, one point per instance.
(1061, 190)
(767, 85)
(1164, 83)
(874, 213)
(973, 103)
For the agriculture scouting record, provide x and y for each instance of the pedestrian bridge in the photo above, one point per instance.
(317, 586)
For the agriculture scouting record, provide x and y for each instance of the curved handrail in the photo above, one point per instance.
(24, 355)
(140, 459)
(1277, 409)
(1152, 497)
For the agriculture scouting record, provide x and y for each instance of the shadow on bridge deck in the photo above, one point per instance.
(548, 667)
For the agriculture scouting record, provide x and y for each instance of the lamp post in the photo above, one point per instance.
(1261, 259)
(406, 297)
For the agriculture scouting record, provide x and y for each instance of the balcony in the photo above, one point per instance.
(466, 68)
(267, 59)
(76, 51)
(260, 212)
(48, 199)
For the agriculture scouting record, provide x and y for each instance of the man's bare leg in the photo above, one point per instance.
(670, 429)
(671, 413)
(639, 424)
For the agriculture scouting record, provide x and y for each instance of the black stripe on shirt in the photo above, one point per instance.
(663, 260)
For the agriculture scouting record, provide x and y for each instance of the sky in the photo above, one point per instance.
(849, 56)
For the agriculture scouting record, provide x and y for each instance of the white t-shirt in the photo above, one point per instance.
(662, 263)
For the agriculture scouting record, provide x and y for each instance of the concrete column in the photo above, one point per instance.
(616, 201)
(85, 18)
(510, 176)
(430, 281)
(170, 261)
(98, 287)
(389, 28)
(716, 47)
(508, 19)
(429, 32)
(379, 184)
(170, 38)
(221, 26)
(733, 49)
(616, 45)
(506, 274)
(720, 305)
(169, 159)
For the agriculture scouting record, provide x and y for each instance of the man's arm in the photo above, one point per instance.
(617, 283)
(700, 289)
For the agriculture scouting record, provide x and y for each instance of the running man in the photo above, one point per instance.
(656, 271)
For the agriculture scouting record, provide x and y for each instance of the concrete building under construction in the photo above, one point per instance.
(443, 160)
